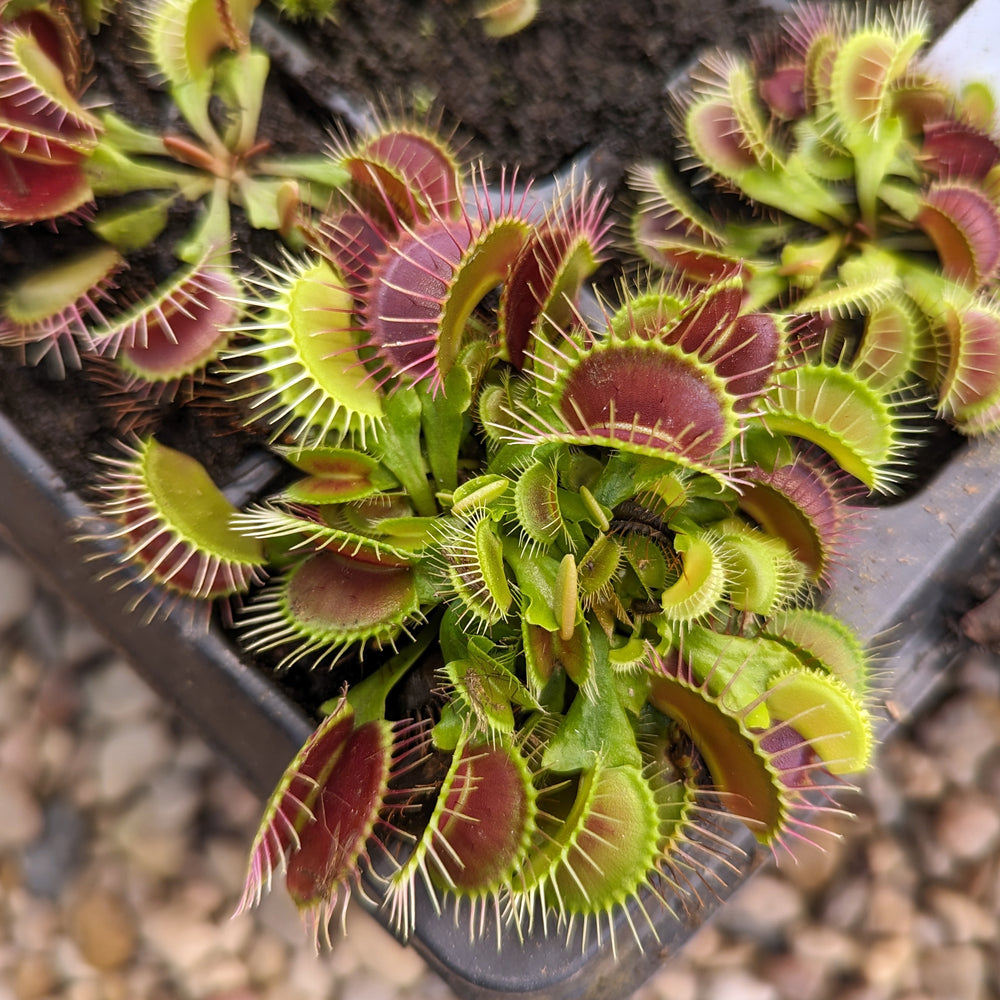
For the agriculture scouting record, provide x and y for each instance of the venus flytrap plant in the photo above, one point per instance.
(865, 184)
(571, 496)
(163, 337)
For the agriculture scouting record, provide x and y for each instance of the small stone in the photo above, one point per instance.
(826, 947)
(34, 977)
(50, 861)
(193, 754)
(233, 802)
(763, 908)
(366, 986)
(103, 928)
(129, 756)
(704, 945)
(795, 977)
(80, 643)
(34, 922)
(961, 732)
(58, 699)
(117, 694)
(890, 911)
(954, 973)
(266, 959)
(219, 976)
(227, 863)
(17, 590)
(887, 961)
(380, 952)
(814, 864)
(278, 914)
(308, 978)
(846, 904)
(22, 815)
(968, 826)
(154, 850)
(19, 750)
(965, 920)
(184, 942)
(738, 984)
(929, 931)
(887, 858)
(675, 982)
(918, 774)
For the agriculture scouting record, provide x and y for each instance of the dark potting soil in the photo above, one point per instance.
(587, 75)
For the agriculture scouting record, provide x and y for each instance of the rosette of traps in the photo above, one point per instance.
(568, 529)
(849, 185)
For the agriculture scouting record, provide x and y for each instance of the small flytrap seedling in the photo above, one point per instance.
(60, 156)
(855, 189)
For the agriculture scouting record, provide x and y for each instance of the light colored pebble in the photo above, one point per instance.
(675, 981)
(81, 643)
(919, 774)
(929, 931)
(846, 903)
(34, 977)
(17, 591)
(278, 914)
(266, 958)
(227, 859)
(954, 973)
(703, 946)
(19, 749)
(22, 814)
(961, 732)
(183, 941)
(813, 865)
(795, 977)
(890, 910)
(57, 750)
(129, 756)
(103, 928)
(193, 754)
(380, 952)
(968, 826)
(367, 986)
(232, 800)
(826, 946)
(737, 984)
(762, 908)
(117, 694)
(218, 975)
(12, 702)
(887, 960)
(309, 978)
(887, 858)
(965, 920)
(155, 851)
(83, 989)
(33, 921)
(201, 897)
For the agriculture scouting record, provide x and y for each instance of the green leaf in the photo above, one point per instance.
(400, 447)
(444, 426)
(595, 729)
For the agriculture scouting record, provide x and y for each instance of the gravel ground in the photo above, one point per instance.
(122, 846)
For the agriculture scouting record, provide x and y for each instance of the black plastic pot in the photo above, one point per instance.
(904, 587)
